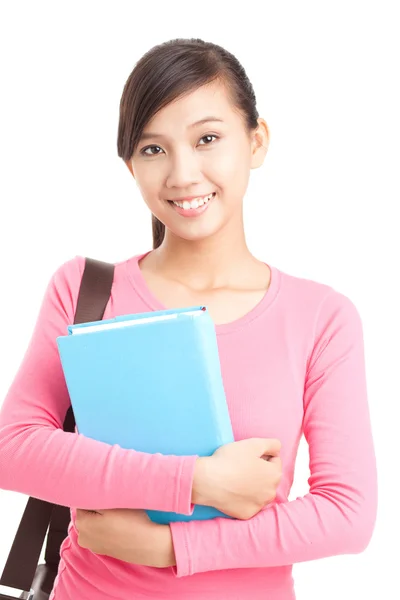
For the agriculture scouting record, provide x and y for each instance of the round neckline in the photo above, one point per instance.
(139, 283)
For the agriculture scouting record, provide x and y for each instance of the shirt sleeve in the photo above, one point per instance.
(338, 514)
(39, 459)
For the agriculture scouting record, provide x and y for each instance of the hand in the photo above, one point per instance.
(239, 479)
(127, 535)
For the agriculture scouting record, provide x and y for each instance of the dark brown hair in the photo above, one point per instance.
(165, 73)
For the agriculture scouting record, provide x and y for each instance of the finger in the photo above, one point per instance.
(82, 515)
(273, 447)
(265, 446)
(275, 459)
(271, 459)
(79, 518)
(86, 511)
(79, 514)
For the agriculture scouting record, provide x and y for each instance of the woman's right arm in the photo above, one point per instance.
(39, 459)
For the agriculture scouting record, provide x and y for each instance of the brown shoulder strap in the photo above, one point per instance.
(95, 291)
(20, 568)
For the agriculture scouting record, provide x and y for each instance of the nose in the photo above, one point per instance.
(184, 171)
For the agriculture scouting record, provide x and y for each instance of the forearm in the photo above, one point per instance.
(91, 474)
(305, 529)
(39, 459)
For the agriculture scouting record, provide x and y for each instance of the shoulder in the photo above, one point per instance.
(63, 287)
(327, 321)
(66, 280)
(320, 297)
(68, 276)
(318, 310)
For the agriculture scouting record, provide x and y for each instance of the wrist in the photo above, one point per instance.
(200, 492)
(166, 545)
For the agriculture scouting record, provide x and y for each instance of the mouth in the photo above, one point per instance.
(193, 208)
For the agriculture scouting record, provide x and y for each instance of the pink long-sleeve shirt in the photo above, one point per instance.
(294, 364)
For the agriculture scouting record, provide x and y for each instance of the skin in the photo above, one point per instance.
(204, 260)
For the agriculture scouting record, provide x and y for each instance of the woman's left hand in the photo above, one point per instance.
(126, 534)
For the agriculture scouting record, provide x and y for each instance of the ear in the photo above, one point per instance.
(259, 144)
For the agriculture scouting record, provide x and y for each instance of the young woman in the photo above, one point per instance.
(292, 360)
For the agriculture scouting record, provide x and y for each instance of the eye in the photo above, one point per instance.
(144, 153)
(210, 135)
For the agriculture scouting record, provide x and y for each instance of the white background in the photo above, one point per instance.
(323, 206)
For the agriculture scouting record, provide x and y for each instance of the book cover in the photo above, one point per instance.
(150, 382)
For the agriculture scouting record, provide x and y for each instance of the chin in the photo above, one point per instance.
(195, 228)
(192, 235)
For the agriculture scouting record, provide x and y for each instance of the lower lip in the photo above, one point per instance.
(191, 212)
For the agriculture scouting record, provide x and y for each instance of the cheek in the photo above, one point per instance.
(149, 182)
(228, 167)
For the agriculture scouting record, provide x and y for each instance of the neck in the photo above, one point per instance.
(209, 263)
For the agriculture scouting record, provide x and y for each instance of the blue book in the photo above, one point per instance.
(150, 382)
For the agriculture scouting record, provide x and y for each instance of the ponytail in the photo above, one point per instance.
(158, 232)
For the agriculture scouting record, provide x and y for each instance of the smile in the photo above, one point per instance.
(193, 208)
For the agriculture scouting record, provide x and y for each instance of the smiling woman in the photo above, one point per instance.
(199, 111)
(292, 361)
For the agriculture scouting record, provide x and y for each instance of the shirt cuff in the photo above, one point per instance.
(180, 540)
(183, 501)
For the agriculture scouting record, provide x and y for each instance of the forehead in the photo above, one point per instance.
(208, 100)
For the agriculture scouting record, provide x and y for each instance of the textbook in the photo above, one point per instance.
(150, 382)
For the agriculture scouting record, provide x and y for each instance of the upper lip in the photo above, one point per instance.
(188, 198)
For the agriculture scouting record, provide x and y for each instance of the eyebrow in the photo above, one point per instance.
(148, 135)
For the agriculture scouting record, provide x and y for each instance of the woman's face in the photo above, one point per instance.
(178, 157)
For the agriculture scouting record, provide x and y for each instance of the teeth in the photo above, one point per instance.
(195, 203)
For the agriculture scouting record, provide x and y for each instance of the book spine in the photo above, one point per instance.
(223, 423)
